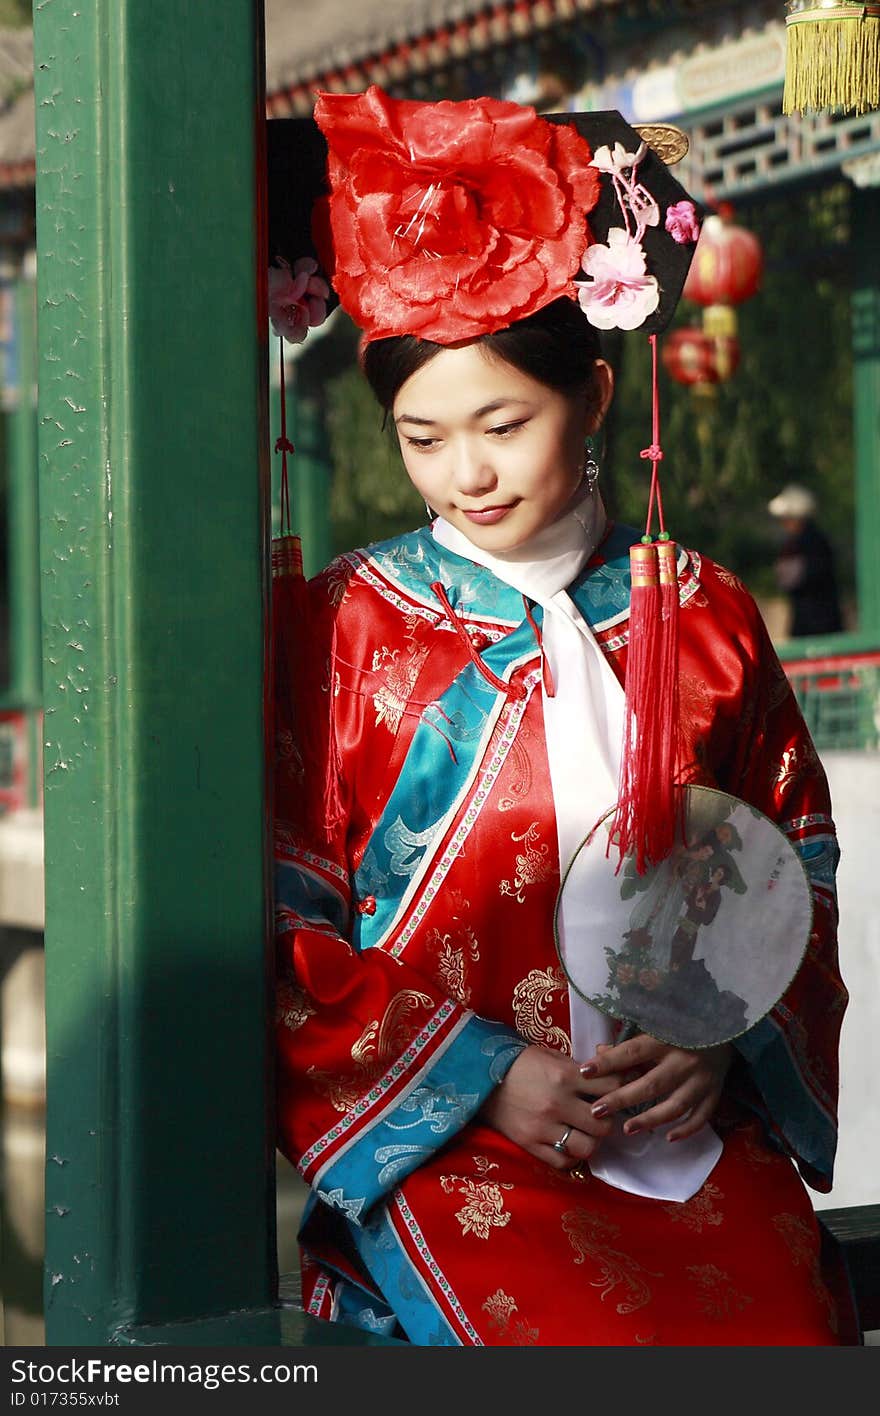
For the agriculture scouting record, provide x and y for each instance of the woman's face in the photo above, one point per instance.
(496, 453)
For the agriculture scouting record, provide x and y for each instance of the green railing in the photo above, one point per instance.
(839, 696)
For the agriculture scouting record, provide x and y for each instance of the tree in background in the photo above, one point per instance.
(15, 14)
(785, 416)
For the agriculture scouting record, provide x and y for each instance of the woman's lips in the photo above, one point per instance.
(490, 515)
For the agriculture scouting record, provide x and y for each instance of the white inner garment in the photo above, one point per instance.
(583, 724)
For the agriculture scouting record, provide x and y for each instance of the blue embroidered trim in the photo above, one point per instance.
(421, 1119)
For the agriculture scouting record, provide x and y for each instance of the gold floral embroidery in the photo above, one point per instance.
(379, 1042)
(400, 676)
(292, 1007)
(798, 761)
(341, 1092)
(501, 1308)
(589, 1236)
(800, 1240)
(699, 1210)
(338, 576)
(728, 578)
(483, 1208)
(532, 867)
(377, 1045)
(757, 1154)
(718, 1297)
(454, 952)
(531, 1008)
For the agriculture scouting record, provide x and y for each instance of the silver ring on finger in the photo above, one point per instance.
(561, 1145)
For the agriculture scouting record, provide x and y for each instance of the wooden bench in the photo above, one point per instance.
(857, 1231)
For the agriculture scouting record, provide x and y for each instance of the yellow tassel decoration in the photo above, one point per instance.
(833, 57)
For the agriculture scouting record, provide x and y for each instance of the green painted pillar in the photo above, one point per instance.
(866, 399)
(23, 533)
(153, 490)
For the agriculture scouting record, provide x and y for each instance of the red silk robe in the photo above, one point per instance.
(417, 872)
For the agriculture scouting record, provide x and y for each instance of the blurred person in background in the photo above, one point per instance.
(805, 564)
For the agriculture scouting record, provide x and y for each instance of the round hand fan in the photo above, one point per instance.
(701, 946)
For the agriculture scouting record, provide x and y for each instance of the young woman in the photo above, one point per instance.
(452, 1104)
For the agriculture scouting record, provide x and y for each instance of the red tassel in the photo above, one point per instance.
(301, 706)
(296, 703)
(648, 811)
(639, 743)
(668, 798)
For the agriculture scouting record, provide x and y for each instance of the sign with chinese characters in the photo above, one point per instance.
(715, 75)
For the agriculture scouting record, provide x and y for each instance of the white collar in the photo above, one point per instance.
(549, 561)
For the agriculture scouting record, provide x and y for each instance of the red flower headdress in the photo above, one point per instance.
(449, 220)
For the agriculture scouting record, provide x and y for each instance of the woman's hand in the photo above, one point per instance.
(542, 1095)
(684, 1086)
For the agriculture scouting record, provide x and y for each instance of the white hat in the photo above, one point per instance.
(793, 500)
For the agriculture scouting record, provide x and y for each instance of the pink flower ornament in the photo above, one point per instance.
(620, 295)
(297, 298)
(682, 223)
(617, 160)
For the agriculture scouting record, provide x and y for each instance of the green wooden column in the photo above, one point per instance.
(152, 498)
(23, 536)
(866, 399)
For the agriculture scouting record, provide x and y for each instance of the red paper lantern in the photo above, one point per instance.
(726, 270)
(689, 356)
(700, 360)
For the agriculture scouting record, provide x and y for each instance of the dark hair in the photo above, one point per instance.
(557, 346)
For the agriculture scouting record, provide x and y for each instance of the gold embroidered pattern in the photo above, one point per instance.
(521, 765)
(588, 1235)
(533, 866)
(483, 1209)
(374, 1049)
(757, 1154)
(454, 952)
(341, 1092)
(531, 1008)
(778, 690)
(379, 1042)
(390, 701)
(292, 1007)
(728, 578)
(699, 1210)
(289, 756)
(338, 576)
(718, 1297)
(501, 1308)
(800, 1241)
(798, 761)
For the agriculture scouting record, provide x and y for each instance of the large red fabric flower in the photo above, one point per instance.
(449, 220)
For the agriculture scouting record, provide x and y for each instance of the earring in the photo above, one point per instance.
(591, 467)
(431, 514)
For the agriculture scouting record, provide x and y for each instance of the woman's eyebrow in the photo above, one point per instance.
(487, 408)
